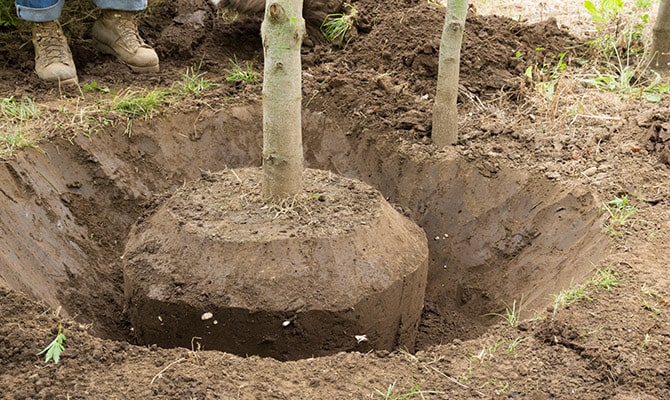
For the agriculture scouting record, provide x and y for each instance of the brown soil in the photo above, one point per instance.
(513, 213)
(296, 278)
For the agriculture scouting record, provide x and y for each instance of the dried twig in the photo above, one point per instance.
(456, 381)
(160, 373)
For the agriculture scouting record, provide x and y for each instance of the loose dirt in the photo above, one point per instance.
(514, 213)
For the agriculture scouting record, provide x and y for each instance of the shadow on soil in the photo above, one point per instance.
(496, 235)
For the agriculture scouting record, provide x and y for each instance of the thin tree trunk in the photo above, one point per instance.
(445, 113)
(282, 32)
(661, 41)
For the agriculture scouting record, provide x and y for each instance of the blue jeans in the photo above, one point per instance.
(49, 10)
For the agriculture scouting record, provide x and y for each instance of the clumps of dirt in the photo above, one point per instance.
(389, 70)
(329, 205)
(657, 138)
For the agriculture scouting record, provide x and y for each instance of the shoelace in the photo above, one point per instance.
(128, 31)
(53, 44)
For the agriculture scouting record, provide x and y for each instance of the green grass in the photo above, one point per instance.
(144, 103)
(335, 27)
(651, 300)
(18, 110)
(629, 79)
(8, 18)
(415, 391)
(141, 103)
(12, 141)
(511, 348)
(138, 104)
(17, 116)
(620, 210)
(238, 73)
(512, 314)
(193, 82)
(570, 295)
(22, 123)
(606, 279)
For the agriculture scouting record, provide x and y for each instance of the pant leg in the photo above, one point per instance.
(39, 10)
(123, 5)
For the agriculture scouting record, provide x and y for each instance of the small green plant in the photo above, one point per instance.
(55, 348)
(647, 291)
(569, 296)
(645, 342)
(620, 210)
(237, 73)
(650, 307)
(95, 87)
(618, 53)
(629, 80)
(335, 27)
(512, 314)
(499, 387)
(511, 348)
(651, 300)
(605, 278)
(193, 82)
(605, 11)
(547, 74)
(415, 391)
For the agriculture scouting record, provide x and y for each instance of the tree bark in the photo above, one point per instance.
(445, 113)
(282, 31)
(661, 41)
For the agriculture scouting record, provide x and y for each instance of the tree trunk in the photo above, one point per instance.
(661, 41)
(445, 113)
(282, 31)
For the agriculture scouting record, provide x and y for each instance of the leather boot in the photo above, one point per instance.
(53, 59)
(115, 32)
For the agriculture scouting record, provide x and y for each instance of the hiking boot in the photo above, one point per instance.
(115, 32)
(53, 59)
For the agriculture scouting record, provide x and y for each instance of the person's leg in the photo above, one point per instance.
(53, 59)
(115, 32)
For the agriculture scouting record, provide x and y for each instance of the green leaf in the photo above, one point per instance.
(652, 97)
(620, 202)
(55, 348)
(590, 7)
(529, 72)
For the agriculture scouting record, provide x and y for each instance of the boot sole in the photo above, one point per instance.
(103, 48)
(70, 81)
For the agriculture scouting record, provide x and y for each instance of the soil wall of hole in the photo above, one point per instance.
(496, 234)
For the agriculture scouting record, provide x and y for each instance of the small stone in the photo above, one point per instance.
(590, 171)
(552, 175)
